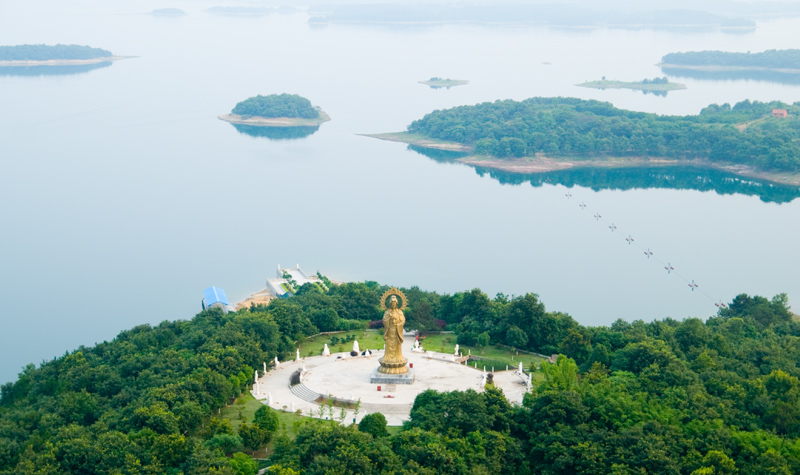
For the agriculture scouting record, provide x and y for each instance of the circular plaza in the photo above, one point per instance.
(346, 379)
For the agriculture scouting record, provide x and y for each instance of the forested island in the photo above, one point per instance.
(787, 60)
(545, 134)
(276, 110)
(666, 397)
(437, 82)
(55, 55)
(646, 85)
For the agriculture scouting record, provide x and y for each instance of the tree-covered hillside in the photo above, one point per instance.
(47, 52)
(277, 105)
(667, 397)
(576, 128)
(773, 58)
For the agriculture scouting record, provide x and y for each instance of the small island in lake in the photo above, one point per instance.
(544, 134)
(661, 85)
(437, 82)
(276, 110)
(54, 55)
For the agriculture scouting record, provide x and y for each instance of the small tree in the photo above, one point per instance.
(266, 419)
(483, 339)
(374, 424)
(243, 464)
(253, 436)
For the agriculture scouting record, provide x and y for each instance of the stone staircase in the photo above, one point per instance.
(301, 391)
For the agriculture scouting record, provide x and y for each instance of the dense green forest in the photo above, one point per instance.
(277, 105)
(46, 52)
(666, 397)
(773, 58)
(576, 128)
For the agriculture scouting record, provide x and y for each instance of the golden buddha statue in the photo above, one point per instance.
(393, 361)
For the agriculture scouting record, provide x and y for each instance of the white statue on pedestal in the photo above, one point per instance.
(265, 367)
(326, 351)
(277, 363)
(297, 357)
(456, 352)
(255, 378)
(355, 346)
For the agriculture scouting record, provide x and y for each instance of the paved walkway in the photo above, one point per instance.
(347, 377)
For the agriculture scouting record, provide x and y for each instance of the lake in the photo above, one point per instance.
(122, 195)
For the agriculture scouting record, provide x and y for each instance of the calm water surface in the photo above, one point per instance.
(122, 196)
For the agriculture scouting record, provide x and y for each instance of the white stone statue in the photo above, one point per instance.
(456, 352)
(416, 343)
(355, 346)
(520, 368)
(277, 363)
(297, 358)
(255, 378)
(265, 367)
(326, 351)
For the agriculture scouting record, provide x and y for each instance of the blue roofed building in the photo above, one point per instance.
(214, 297)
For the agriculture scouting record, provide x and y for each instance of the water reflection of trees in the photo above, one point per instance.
(276, 133)
(768, 76)
(51, 70)
(678, 178)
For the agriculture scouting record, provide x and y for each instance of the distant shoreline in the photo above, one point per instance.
(713, 68)
(62, 62)
(636, 86)
(275, 121)
(542, 164)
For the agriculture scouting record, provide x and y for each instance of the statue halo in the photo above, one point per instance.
(399, 294)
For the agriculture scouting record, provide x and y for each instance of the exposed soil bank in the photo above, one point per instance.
(542, 164)
(64, 62)
(275, 121)
(728, 68)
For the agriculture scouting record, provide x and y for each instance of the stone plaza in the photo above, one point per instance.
(346, 377)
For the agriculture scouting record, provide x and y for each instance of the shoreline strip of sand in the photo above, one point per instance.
(63, 62)
(541, 164)
(275, 121)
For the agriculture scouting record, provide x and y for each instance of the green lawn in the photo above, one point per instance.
(440, 343)
(244, 409)
(372, 339)
(499, 356)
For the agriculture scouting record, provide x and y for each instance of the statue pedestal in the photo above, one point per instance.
(383, 378)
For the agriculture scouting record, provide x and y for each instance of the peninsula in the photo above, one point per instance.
(782, 61)
(752, 139)
(276, 110)
(54, 55)
(646, 85)
(437, 82)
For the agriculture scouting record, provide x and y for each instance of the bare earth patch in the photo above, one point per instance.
(421, 141)
(542, 164)
(64, 62)
(275, 121)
